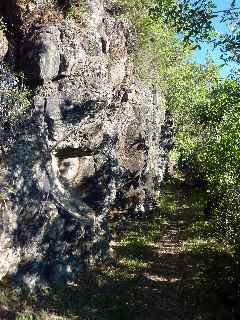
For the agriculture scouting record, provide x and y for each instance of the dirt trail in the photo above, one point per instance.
(165, 290)
(170, 277)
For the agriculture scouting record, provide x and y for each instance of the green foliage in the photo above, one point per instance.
(229, 41)
(221, 154)
(192, 19)
(162, 59)
(219, 159)
(210, 142)
(25, 316)
(71, 12)
(160, 55)
(79, 11)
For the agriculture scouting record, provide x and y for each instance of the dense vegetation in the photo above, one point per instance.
(205, 106)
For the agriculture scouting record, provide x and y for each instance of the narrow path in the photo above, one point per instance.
(171, 283)
(164, 290)
(170, 266)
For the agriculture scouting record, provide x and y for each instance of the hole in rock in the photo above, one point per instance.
(124, 97)
(70, 152)
(104, 45)
(74, 112)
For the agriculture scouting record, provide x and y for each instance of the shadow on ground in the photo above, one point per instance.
(161, 271)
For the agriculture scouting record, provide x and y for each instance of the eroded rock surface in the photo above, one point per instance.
(3, 45)
(95, 143)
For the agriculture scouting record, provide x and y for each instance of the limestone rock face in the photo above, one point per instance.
(95, 142)
(42, 58)
(3, 45)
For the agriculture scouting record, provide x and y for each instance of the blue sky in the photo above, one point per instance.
(207, 50)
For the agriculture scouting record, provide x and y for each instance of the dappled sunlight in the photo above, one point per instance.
(160, 270)
(157, 278)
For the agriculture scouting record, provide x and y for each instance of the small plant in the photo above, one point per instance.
(79, 11)
(72, 11)
(134, 264)
(25, 316)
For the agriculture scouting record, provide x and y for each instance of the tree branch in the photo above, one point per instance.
(226, 10)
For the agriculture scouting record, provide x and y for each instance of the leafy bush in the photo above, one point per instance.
(209, 139)
(191, 19)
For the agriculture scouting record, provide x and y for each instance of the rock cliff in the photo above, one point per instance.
(94, 142)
